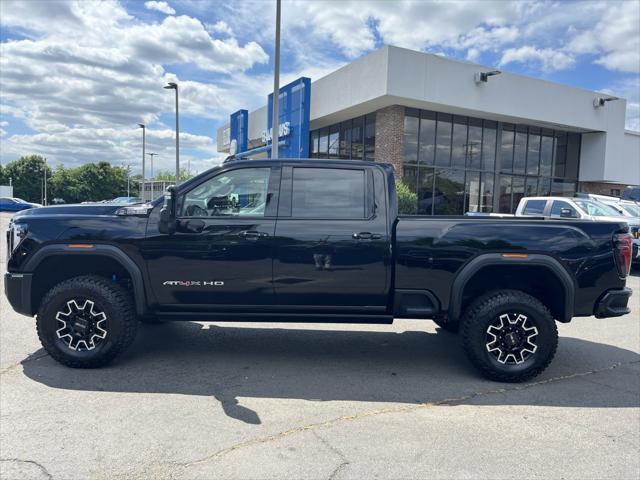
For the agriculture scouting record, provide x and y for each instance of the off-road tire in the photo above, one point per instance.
(109, 298)
(451, 327)
(484, 311)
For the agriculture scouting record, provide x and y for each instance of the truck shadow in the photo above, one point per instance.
(321, 365)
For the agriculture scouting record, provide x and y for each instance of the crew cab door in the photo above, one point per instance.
(221, 253)
(332, 241)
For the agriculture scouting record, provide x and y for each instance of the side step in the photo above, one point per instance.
(275, 317)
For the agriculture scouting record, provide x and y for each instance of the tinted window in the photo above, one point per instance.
(427, 137)
(474, 144)
(411, 139)
(534, 207)
(328, 193)
(459, 141)
(557, 207)
(443, 140)
(506, 149)
(240, 192)
(448, 196)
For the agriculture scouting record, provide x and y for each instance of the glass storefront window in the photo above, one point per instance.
(334, 141)
(489, 135)
(357, 133)
(345, 139)
(443, 140)
(544, 187)
(323, 142)
(531, 187)
(517, 188)
(426, 150)
(411, 125)
(563, 188)
(561, 155)
(546, 155)
(474, 144)
(448, 192)
(520, 150)
(313, 148)
(459, 142)
(486, 193)
(533, 152)
(573, 155)
(506, 148)
(504, 201)
(472, 192)
(370, 137)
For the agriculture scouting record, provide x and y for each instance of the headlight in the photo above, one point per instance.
(135, 210)
(15, 234)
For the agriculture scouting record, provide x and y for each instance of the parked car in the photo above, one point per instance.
(628, 209)
(564, 207)
(14, 204)
(310, 241)
(631, 193)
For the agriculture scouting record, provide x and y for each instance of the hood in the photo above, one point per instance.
(73, 209)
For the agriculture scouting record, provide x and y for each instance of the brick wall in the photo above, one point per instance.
(599, 188)
(390, 137)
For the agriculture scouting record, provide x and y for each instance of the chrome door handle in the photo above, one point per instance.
(366, 236)
(252, 234)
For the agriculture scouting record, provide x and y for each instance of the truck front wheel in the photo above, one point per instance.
(509, 335)
(86, 321)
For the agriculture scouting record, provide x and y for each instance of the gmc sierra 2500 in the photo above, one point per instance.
(309, 241)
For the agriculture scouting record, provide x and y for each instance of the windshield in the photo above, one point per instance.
(632, 210)
(597, 209)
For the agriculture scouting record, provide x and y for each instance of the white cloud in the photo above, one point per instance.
(220, 27)
(615, 38)
(162, 7)
(546, 59)
(84, 85)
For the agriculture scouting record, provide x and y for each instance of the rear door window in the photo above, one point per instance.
(557, 207)
(534, 207)
(328, 193)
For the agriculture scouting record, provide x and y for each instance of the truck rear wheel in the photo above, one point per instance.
(509, 336)
(86, 321)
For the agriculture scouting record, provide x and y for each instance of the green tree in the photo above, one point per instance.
(3, 178)
(407, 200)
(167, 176)
(27, 176)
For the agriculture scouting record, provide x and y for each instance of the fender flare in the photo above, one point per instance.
(491, 259)
(110, 251)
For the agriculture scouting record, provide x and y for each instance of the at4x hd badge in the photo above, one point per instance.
(193, 283)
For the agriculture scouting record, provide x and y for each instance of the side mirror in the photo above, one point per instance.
(167, 222)
(566, 213)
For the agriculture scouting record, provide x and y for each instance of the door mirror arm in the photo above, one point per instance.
(167, 221)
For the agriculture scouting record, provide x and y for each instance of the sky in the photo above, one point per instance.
(77, 76)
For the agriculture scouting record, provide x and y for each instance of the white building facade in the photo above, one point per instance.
(461, 143)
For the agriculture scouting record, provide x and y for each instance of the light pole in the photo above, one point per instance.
(142, 192)
(275, 121)
(44, 201)
(174, 86)
(128, 167)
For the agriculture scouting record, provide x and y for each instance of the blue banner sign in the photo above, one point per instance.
(293, 124)
(239, 131)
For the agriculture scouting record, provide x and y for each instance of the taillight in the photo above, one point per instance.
(622, 248)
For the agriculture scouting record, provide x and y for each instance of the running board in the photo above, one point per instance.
(275, 317)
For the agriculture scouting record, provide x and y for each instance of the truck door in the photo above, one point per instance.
(332, 248)
(221, 253)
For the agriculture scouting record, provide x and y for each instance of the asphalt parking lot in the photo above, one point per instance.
(234, 400)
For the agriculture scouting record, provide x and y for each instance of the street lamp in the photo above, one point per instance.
(275, 120)
(143, 147)
(174, 86)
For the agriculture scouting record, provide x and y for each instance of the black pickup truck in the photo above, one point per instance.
(309, 241)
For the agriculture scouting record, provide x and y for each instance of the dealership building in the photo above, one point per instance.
(462, 136)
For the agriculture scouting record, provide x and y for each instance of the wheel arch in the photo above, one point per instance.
(99, 253)
(551, 267)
